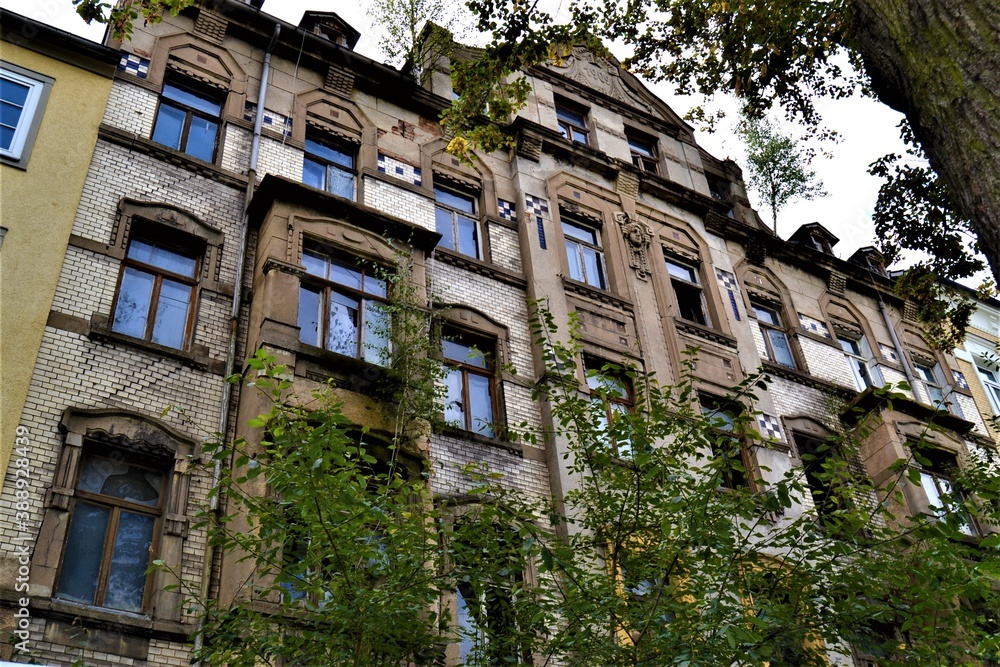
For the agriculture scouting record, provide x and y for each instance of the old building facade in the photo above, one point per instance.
(247, 176)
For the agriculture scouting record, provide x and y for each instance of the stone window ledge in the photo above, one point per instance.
(197, 357)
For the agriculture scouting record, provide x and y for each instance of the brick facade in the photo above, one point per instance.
(636, 311)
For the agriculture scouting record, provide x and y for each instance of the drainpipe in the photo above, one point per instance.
(234, 313)
(896, 344)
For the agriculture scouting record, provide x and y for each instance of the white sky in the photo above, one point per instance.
(868, 129)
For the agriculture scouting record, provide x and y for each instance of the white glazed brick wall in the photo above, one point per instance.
(970, 412)
(86, 283)
(236, 149)
(400, 203)
(279, 159)
(117, 172)
(130, 108)
(504, 303)
(891, 375)
(504, 248)
(162, 653)
(758, 339)
(72, 370)
(793, 399)
(827, 363)
(450, 454)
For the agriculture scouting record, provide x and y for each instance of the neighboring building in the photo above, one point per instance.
(54, 88)
(198, 239)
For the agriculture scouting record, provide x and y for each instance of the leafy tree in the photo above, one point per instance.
(932, 60)
(416, 31)
(669, 552)
(777, 167)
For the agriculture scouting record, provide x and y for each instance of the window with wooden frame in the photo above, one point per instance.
(469, 381)
(114, 522)
(733, 457)
(823, 467)
(329, 165)
(643, 151)
(188, 118)
(489, 572)
(456, 220)
(583, 251)
(612, 397)
(689, 296)
(342, 306)
(930, 373)
(938, 469)
(157, 289)
(773, 331)
(572, 119)
(857, 353)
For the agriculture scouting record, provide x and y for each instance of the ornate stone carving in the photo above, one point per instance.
(627, 184)
(837, 283)
(637, 237)
(599, 74)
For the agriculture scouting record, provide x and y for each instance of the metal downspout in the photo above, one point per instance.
(234, 314)
(895, 342)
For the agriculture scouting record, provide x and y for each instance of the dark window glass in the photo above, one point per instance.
(688, 294)
(644, 155)
(611, 397)
(469, 400)
(573, 123)
(456, 221)
(730, 454)
(156, 293)
(115, 511)
(342, 308)
(188, 121)
(329, 167)
(775, 338)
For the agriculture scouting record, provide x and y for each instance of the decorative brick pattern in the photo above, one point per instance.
(827, 363)
(536, 205)
(450, 454)
(400, 203)
(339, 80)
(769, 427)
(815, 326)
(888, 352)
(272, 119)
(130, 108)
(211, 26)
(133, 64)
(729, 283)
(399, 169)
(970, 412)
(505, 249)
(960, 380)
(507, 210)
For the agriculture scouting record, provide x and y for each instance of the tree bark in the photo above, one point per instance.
(938, 63)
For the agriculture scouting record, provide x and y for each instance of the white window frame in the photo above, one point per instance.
(27, 125)
(992, 387)
(856, 361)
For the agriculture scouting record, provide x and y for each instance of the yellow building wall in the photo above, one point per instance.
(37, 206)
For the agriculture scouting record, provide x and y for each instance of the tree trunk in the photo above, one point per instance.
(938, 63)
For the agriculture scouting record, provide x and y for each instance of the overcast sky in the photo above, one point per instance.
(868, 128)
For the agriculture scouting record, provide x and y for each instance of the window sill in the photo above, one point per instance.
(197, 357)
(481, 267)
(596, 294)
(346, 372)
(111, 620)
(704, 332)
(454, 432)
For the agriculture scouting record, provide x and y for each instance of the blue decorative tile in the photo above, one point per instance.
(770, 428)
(815, 326)
(134, 64)
(960, 380)
(541, 231)
(888, 352)
(536, 205)
(506, 210)
(732, 301)
(399, 169)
